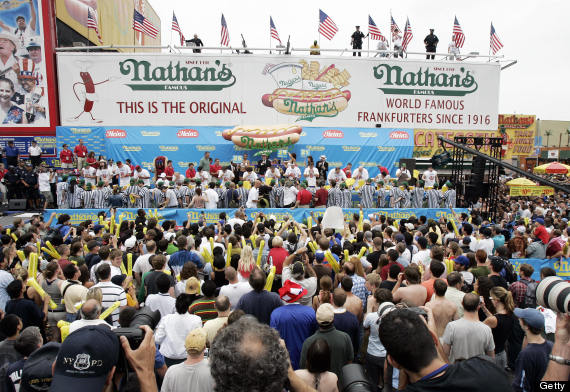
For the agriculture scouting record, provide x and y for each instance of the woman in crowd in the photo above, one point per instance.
(325, 292)
(501, 323)
(246, 264)
(318, 374)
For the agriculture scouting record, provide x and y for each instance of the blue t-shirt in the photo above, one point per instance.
(295, 323)
(348, 323)
(530, 366)
(260, 305)
(178, 259)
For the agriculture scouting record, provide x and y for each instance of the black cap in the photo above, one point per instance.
(36, 374)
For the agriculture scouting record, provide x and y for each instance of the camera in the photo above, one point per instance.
(133, 333)
(554, 293)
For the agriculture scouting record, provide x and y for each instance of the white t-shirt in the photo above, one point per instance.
(164, 303)
(272, 174)
(35, 151)
(144, 175)
(124, 175)
(311, 175)
(293, 172)
(234, 291)
(142, 264)
(171, 196)
(227, 175)
(289, 195)
(360, 175)
(422, 257)
(252, 198)
(429, 178)
(375, 346)
(250, 176)
(212, 197)
(43, 182)
(88, 173)
(333, 175)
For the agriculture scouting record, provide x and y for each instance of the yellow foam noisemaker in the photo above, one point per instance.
(132, 198)
(312, 246)
(21, 255)
(8, 231)
(360, 220)
(309, 222)
(449, 264)
(14, 237)
(247, 185)
(112, 224)
(38, 247)
(243, 243)
(346, 255)
(253, 239)
(370, 249)
(33, 283)
(362, 251)
(130, 264)
(167, 272)
(212, 247)
(270, 278)
(206, 256)
(259, 253)
(52, 254)
(109, 310)
(33, 265)
(85, 248)
(332, 261)
(51, 247)
(63, 329)
(123, 269)
(229, 254)
(144, 230)
(454, 227)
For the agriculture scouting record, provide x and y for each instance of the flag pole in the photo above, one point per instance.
(390, 35)
(489, 59)
(270, 35)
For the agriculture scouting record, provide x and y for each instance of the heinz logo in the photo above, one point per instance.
(187, 133)
(400, 135)
(115, 133)
(333, 134)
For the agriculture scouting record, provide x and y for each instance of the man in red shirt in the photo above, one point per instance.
(81, 153)
(348, 170)
(66, 158)
(392, 257)
(303, 197)
(277, 255)
(215, 168)
(169, 170)
(321, 196)
(190, 172)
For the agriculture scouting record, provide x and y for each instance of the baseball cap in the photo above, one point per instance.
(85, 359)
(325, 314)
(36, 374)
(323, 156)
(462, 260)
(291, 291)
(137, 167)
(168, 236)
(539, 220)
(130, 242)
(531, 317)
(118, 279)
(319, 256)
(192, 286)
(195, 340)
(521, 229)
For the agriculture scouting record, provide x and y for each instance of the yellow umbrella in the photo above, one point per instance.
(540, 169)
(520, 181)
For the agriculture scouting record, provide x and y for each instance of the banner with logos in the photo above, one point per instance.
(561, 266)
(518, 132)
(278, 214)
(359, 146)
(529, 190)
(27, 74)
(181, 89)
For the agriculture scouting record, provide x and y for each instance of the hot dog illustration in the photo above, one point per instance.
(86, 95)
(263, 137)
(331, 101)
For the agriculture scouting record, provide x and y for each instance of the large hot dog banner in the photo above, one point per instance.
(262, 90)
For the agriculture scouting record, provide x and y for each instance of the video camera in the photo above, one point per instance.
(133, 333)
(554, 293)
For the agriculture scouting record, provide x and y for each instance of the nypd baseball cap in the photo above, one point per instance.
(85, 359)
(36, 374)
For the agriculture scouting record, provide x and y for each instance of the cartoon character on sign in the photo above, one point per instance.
(85, 93)
(307, 90)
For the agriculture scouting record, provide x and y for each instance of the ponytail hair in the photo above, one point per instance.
(505, 297)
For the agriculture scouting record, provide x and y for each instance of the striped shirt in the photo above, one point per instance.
(433, 198)
(243, 193)
(367, 193)
(111, 294)
(78, 197)
(346, 195)
(61, 191)
(183, 192)
(100, 197)
(88, 199)
(221, 196)
(131, 190)
(157, 197)
(204, 308)
(279, 192)
(335, 198)
(407, 202)
(144, 200)
(449, 198)
(418, 198)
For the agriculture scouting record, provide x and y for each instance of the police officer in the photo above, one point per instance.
(430, 42)
(30, 183)
(356, 41)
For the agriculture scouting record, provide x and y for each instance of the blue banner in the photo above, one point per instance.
(562, 267)
(212, 216)
(359, 146)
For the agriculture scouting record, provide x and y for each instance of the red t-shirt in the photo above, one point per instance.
(80, 151)
(304, 197)
(2, 172)
(169, 171)
(541, 233)
(347, 171)
(190, 173)
(93, 162)
(322, 196)
(214, 169)
(66, 156)
(277, 256)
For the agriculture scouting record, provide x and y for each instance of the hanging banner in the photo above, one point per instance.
(518, 190)
(518, 132)
(279, 214)
(359, 146)
(228, 90)
(427, 145)
(561, 266)
(27, 78)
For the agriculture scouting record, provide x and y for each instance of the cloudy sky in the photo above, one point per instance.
(535, 33)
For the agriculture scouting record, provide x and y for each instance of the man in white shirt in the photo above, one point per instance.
(90, 175)
(142, 264)
(430, 177)
(124, 172)
(111, 292)
(484, 241)
(422, 257)
(249, 175)
(35, 152)
(227, 175)
(289, 195)
(235, 289)
(205, 176)
(163, 301)
(44, 178)
(212, 197)
(253, 195)
(311, 174)
(336, 175)
(23, 31)
(170, 199)
(360, 174)
(293, 172)
(272, 172)
(142, 174)
(90, 312)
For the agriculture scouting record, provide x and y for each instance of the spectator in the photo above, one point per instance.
(259, 302)
(235, 289)
(501, 323)
(25, 309)
(318, 374)
(163, 301)
(89, 312)
(211, 327)
(414, 293)
(10, 327)
(205, 306)
(111, 292)
(444, 311)
(29, 341)
(345, 321)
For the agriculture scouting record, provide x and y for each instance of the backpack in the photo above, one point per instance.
(509, 272)
(530, 294)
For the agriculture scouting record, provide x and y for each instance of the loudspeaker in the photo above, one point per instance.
(17, 204)
(477, 170)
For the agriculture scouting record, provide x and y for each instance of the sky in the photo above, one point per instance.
(535, 33)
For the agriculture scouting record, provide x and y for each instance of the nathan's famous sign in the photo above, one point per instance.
(230, 90)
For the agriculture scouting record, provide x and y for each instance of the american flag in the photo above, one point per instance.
(92, 24)
(143, 25)
(327, 28)
(393, 26)
(458, 36)
(176, 28)
(496, 44)
(407, 35)
(273, 30)
(374, 31)
(225, 41)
